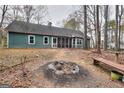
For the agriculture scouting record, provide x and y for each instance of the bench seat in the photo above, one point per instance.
(118, 67)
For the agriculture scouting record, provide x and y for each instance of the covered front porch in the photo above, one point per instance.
(67, 42)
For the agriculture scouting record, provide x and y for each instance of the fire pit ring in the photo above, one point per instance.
(63, 71)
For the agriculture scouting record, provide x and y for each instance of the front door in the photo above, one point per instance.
(54, 42)
(73, 42)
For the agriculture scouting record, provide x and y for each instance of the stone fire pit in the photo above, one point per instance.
(62, 71)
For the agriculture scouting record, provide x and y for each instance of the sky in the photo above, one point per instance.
(59, 12)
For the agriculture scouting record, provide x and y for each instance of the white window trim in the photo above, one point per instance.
(8, 40)
(44, 40)
(56, 42)
(29, 39)
(74, 45)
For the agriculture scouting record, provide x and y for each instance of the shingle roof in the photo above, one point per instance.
(24, 27)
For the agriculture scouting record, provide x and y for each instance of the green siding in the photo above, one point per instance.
(79, 45)
(18, 40)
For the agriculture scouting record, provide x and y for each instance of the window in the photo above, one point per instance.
(79, 41)
(45, 40)
(74, 41)
(31, 39)
(54, 40)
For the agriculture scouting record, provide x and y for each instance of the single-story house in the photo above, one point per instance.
(28, 35)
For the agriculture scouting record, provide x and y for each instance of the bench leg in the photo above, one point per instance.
(95, 62)
(116, 57)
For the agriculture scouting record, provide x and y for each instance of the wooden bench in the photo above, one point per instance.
(117, 67)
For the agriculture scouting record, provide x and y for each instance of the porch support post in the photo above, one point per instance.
(68, 42)
(57, 42)
(64, 42)
(72, 42)
(75, 42)
(52, 42)
(60, 42)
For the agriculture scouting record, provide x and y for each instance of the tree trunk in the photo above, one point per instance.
(85, 27)
(95, 26)
(98, 31)
(91, 33)
(116, 31)
(106, 27)
(119, 30)
(4, 9)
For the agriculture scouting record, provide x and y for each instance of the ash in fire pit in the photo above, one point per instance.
(61, 68)
(63, 71)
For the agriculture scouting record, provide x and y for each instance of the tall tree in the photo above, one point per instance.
(91, 20)
(85, 26)
(29, 12)
(34, 13)
(94, 13)
(41, 12)
(4, 10)
(106, 27)
(119, 23)
(116, 31)
(13, 13)
(98, 30)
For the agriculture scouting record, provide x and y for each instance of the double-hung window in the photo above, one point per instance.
(45, 40)
(79, 41)
(31, 39)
